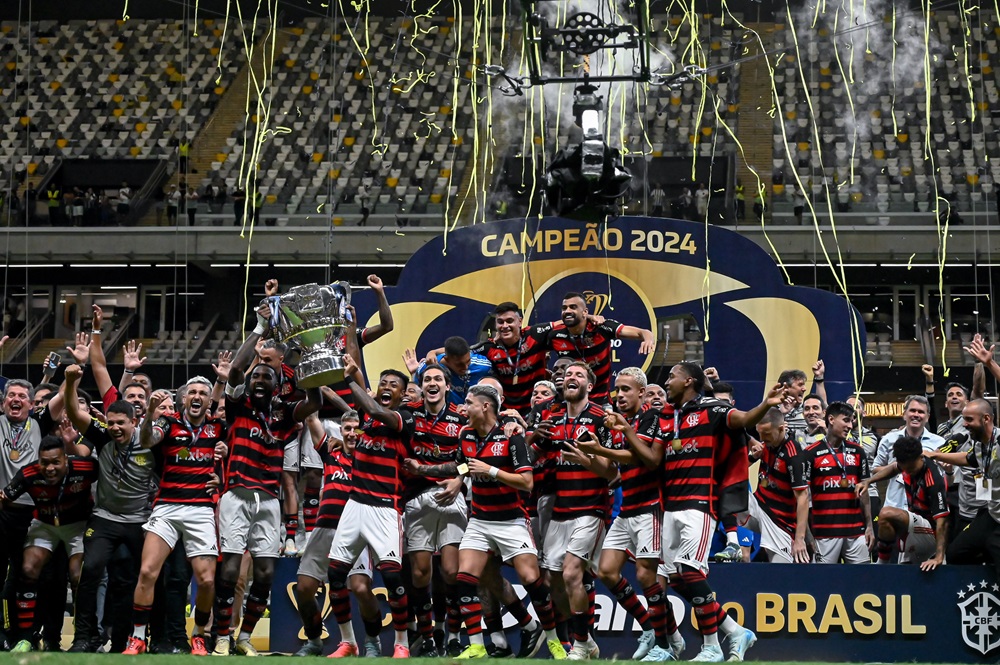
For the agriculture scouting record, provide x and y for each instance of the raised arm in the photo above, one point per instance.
(308, 406)
(98, 361)
(77, 415)
(977, 349)
(365, 401)
(334, 400)
(133, 359)
(746, 419)
(819, 381)
(150, 436)
(385, 324)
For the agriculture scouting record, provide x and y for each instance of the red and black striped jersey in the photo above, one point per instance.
(435, 441)
(579, 490)
(698, 441)
(544, 471)
(64, 503)
(927, 492)
(187, 459)
(336, 485)
(831, 477)
(492, 500)
(640, 485)
(776, 476)
(592, 347)
(378, 461)
(288, 390)
(342, 388)
(257, 443)
(518, 368)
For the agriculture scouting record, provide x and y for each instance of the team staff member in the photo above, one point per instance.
(122, 508)
(636, 530)
(249, 511)
(922, 531)
(335, 444)
(372, 515)
(60, 487)
(500, 472)
(577, 336)
(982, 537)
(189, 444)
(21, 432)
(435, 512)
(705, 475)
(828, 473)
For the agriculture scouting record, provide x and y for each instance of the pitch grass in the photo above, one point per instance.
(42, 658)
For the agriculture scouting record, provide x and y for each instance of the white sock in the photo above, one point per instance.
(532, 625)
(139, 632)
(499, 639)
(711, 640)
(551, 635)
(347, 632)
(476, 639)
(243, 636)
(401, 639)
(453, 636)
(729, 625)
(732, 538)
(198, 630)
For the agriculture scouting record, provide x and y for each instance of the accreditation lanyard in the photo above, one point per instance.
(120, 461)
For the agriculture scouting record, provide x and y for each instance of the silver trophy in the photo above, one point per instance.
(314, 318)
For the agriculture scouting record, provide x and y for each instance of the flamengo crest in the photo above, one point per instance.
(980, 617)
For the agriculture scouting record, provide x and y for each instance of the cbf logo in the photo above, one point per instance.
(980, 616)
(596, 302)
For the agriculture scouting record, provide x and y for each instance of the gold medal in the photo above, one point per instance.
(764, 482)
(516, 377)
(55, 520)
(677, 444)
(843, 482)
(15, 454)
(185, 453)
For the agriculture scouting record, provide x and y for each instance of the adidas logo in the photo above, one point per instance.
(391, 554)
(524, 546)
(644, 550)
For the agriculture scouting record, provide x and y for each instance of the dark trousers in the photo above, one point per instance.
(977, 543)
(14, 521)
(168, 621)
(100, 541)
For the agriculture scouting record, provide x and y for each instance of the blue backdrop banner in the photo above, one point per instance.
(636, 270)
(799, 612)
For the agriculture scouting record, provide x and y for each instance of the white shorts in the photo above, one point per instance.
(378, 528)
(851, 550)
(195, 524)
(509, 538)
(429, 527)
(582, 537)
(919, 543)
(300, 453)
(540, 524)
(773, 538)
(687, 539)
(315, 559)
(47, 536)
(639, 535)
(250, 521)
